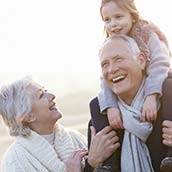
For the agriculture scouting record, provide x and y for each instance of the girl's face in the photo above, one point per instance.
(117, 20)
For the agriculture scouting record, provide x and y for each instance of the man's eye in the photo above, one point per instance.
(118, 59)
(104, 65)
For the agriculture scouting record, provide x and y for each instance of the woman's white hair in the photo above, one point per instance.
(131, 42)
(16, 102)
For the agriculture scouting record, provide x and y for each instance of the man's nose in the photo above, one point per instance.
(113, 68)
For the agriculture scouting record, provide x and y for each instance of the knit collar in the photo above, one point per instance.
(40, 149)
(50, 138)
(41, 155)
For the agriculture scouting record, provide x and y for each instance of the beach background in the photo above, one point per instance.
(57, 43)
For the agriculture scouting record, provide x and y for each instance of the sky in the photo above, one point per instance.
(57, 42)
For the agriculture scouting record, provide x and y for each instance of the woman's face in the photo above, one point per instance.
(117, 20)
(43, 106)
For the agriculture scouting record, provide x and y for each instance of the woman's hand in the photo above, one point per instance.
(73, 164)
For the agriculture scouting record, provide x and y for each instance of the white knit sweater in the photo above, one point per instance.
(35, 154)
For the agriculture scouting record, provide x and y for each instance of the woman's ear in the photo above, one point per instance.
(27, 118)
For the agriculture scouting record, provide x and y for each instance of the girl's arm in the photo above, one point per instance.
(158, 67)
(106, 97)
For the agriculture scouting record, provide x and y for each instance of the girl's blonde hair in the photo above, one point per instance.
(141, 29)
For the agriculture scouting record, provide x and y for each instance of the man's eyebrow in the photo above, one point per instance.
(114, 57)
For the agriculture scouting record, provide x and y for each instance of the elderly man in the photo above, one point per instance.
(41, 144)
(123, 68)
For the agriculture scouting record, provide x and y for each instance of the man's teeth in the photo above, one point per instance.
(118, 78)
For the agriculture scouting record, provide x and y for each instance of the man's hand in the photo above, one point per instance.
(149, 110)
(167, 132)
(103, 144)
(114, 118)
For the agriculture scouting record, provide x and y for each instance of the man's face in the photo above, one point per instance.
(121, 70)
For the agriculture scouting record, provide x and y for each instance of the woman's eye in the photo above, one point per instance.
(41, 95)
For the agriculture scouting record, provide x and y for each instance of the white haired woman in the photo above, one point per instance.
(41, 144)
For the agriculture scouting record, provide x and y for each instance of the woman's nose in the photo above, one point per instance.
(50, 96)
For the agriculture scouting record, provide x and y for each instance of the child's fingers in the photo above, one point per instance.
(143, 116)
(114, 124)
(117, 123)
(167, 139)
(154, 115)
(167, 142)
(167, 124)
(120, 123)
(151, 115)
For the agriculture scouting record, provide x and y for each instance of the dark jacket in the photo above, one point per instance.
(157, 150)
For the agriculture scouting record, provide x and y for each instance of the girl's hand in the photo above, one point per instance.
(114, 118)
(167, 133)
(73, 164)
(149, 110)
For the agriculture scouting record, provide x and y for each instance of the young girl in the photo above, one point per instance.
(122, 17)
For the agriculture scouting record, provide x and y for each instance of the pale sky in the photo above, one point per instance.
(57, 41)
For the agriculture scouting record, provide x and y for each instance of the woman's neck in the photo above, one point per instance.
(43, 130)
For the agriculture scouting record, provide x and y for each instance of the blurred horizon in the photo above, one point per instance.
(60, 37)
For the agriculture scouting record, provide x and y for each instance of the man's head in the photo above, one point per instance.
(25, 105)
(122, 66)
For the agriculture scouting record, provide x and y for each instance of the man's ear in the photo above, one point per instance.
(142, 60)
(28, 118)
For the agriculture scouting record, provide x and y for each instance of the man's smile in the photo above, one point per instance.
(118, 78)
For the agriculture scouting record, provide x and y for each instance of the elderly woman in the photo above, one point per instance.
(41, 144)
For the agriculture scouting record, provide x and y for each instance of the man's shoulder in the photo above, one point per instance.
(167, 88)
(167, 97)
(94, 102)
(168, 82)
